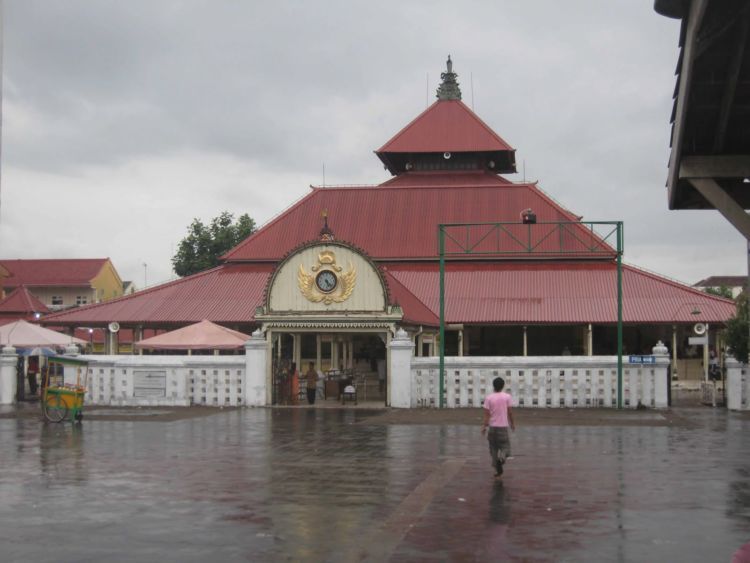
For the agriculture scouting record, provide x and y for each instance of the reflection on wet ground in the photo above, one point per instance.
(269, 484)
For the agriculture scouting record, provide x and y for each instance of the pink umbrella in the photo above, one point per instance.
(204, 335)
(22, 334)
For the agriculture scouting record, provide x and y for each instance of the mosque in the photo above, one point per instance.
(331, 278)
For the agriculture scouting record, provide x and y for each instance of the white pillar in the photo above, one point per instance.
(736, 372)
(256, 356)
(137, 335)
(705, 353)
(399, 390)
(8, 381)
(298, 341)
(590, 340)
(661, 375)
(318, 353)
(461, 342)
(525, 343)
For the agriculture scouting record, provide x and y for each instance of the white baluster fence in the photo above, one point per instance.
(163, 380)
(541, 381)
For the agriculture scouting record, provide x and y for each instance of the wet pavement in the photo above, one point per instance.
(348, 485)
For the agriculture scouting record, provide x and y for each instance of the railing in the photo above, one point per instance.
(557, 381)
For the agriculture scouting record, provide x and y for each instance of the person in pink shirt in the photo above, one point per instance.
(498, 416)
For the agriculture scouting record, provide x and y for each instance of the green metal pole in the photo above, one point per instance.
(441, 238)
(619, 313)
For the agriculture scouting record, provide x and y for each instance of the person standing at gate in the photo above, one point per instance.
(498, 416)
(312, 383)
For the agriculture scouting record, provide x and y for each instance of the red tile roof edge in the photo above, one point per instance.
(676, 283)
(58, 317)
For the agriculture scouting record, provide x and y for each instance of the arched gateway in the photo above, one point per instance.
(327, 302)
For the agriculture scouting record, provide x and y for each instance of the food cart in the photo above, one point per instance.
(60, 399)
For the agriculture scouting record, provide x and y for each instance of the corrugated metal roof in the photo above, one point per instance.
(447, 125)
(50, 272)
(557, 293)
(226, 294)
(415, 312)
(546, 293)
(400, 223)
(21, 300)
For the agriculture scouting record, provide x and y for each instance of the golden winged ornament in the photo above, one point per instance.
(327, 283)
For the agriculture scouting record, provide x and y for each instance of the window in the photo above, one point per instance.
(81, 300)
(57, 300)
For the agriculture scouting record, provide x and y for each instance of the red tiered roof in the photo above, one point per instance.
(22, 301)
(20, 304)
(396, 224)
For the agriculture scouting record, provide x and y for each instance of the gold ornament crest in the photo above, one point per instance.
(327, 283)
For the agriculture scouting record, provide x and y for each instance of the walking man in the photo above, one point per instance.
(498, 416)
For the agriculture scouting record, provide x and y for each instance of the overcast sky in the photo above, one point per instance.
(122, 121)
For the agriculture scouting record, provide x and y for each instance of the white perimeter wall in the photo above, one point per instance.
(540, 381)
(214, 381)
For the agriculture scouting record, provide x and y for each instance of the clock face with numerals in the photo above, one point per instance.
(326, 281)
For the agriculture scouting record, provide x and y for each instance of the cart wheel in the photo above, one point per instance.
(55, 408)
(79, 416)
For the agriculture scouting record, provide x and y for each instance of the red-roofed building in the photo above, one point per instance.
(21, 304)
(63, 283)
(334, 295)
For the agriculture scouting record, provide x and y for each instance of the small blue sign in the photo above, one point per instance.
(641, 359)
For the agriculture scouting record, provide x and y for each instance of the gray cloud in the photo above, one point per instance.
(131, 118)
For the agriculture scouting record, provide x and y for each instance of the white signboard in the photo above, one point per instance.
(149, 383)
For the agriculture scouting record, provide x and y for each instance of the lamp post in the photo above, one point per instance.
(145, 275)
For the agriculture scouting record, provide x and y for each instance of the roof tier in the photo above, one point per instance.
(520, 293)
(557, 293)
(445, 130)
(397, 222)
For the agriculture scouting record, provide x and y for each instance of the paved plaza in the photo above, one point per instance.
(301, 484)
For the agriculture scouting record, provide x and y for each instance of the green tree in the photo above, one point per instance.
(721, 291)
(204, 244)
(737, 330)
